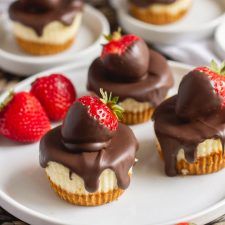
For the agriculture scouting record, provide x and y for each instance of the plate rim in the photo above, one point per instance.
(58, 58)
(151, 27)
(23, 212)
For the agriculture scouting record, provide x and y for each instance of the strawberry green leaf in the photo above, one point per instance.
(7, 100)
(112, 103)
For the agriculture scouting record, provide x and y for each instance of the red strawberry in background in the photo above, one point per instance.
(56, 93)
(216, 75)
(185, 223)
(125, 57)
(22, 118)
(91, 120)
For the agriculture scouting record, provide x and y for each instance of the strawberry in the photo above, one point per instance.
(185, 223)
(22, 118)
(216, 76)
(105, 110)
(126, 58)
(56, 93)
(118, 44)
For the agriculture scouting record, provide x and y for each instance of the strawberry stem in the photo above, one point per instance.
(111, 102)
(7, 100)
(116, 35)
(217, 69)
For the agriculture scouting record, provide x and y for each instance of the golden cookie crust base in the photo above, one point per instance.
(93, 199)
(150, 16)
(203, 165)
(35, 48)
(131, 118)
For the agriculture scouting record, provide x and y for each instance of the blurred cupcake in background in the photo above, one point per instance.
(45, 27)
(159, 11)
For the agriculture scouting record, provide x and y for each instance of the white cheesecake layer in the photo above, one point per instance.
(131, 105)
(60, 175)
(205, 148)
(53, 33)
(172, 8)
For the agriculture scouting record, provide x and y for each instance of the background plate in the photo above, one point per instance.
(200, 22)
(86, 47)
(152, 198)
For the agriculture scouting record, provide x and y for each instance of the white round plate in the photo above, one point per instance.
(86, 46)
(152, 198)
(200, 22)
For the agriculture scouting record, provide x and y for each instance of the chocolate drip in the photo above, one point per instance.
(146, 3)
(174, 133)
(152, 89)
(81, 132)
(37, 14)
(118, 156)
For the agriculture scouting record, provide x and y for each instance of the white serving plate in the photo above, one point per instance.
(152, 198)
(86, 47)
(199, 23)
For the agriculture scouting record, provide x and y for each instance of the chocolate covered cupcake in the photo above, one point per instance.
(89, 159)
(139, 76)
(159, 11)
(190, 126)
(44, 27)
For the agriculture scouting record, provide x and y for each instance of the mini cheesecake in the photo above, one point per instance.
(190, 126)
(159, 11)
(139, 76)
(45, 27)
(87, 162)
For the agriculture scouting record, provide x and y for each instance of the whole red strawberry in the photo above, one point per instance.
(216, 76)
(56, 93)
(105, 110)
(125, 57)
(22, 118)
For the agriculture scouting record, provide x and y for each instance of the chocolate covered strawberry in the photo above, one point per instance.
(104, 110)
(56, 93)
(40, 5)
(125, 57)
(216, 75)
(22, 118)
(203, 84)
(88, 116)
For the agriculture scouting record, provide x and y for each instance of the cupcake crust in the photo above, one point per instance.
(160, 14)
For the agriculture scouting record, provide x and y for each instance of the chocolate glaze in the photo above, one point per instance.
(81, 132)
(152, 89)
(120, 68)
(38, 13)
(146, 3)
(175, 133)
(118, 156)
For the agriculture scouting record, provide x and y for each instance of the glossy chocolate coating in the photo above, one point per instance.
(120, 68)
(195, 89)
(118, 156)
(38, 13)
(153, 88)
(40, 4)
(186, 120)
(146, 3)
(81, 132)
